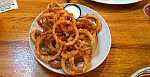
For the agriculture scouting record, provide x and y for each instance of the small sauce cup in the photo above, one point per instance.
(145, 75)
(144, 72)
(147, 10)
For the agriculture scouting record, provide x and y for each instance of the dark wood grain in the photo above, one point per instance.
(129, 27)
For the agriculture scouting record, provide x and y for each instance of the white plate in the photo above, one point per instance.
(117, 1)
(104, 42)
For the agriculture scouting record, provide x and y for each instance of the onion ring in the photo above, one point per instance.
(68, 28)
(50, 16)
(95, 20)
(86, 41)
(72, 52)
(68, 16)
(84, 23)
(84, 53)
(86, 63)
(55, 63)
(47, 20)
(66, 69)
(39, 51)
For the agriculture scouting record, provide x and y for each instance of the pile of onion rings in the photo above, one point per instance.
(65, 42)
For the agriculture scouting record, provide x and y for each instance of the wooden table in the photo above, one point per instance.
(129, 27)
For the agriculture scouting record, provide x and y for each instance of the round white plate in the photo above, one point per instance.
(117, 1)
(104, 41)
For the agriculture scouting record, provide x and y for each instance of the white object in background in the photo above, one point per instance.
(117, 2)
(6, 5)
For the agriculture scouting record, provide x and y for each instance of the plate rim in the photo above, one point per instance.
(107, 2)
(56, 71)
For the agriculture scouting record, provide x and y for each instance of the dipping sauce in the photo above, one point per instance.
(74, 9)
(145, 75)
(147, 10)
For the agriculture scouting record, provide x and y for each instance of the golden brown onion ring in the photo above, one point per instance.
(47, 20)
(85, 50)
(55, 8)
(86, 63)
(55, 63)
(68, 16)
(94, 19)
(67, 69)
(83, 40)
(44, 54)
(68, 26)
(72, 52)
(84, 23)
